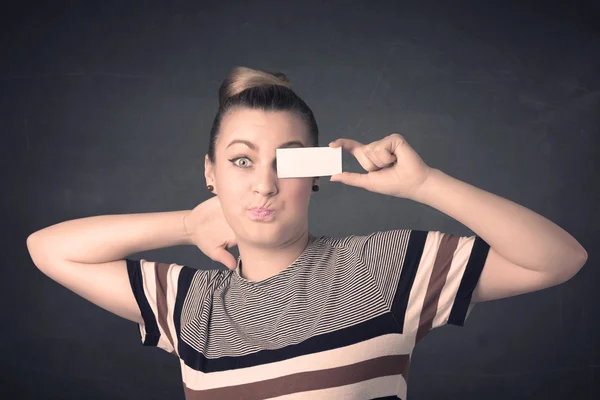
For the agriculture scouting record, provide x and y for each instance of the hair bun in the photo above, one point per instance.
(242, 78)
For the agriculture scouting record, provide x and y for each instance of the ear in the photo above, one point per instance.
(209, 173)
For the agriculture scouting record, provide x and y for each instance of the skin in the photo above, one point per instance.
(266, 248)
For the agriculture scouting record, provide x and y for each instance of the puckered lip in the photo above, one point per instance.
(261, 209)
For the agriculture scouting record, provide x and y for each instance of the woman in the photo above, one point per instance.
(298, 315)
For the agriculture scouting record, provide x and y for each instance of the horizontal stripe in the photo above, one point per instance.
(311, 380)
(381, 325)
(380, 346)
(375, 389)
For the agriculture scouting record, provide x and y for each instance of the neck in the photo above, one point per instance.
(260, 263)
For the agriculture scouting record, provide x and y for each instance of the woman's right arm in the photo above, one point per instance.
(87, 255)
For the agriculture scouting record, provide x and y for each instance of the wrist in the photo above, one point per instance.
(423, 192)
(187, 232)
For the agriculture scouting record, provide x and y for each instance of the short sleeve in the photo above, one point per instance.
(426, 278)
(159, 289)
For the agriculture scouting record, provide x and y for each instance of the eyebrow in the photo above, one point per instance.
(254, 147)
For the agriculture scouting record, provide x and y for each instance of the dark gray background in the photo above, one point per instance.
(107, 109)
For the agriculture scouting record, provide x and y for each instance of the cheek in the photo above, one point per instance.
(231, 187)
(231, 198)
(300, 194)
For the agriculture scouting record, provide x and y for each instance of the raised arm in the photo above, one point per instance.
(86, 255)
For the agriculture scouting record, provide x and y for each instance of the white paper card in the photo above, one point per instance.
(305, 162)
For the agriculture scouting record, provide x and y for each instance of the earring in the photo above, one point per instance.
(210, 188)
(315, 188)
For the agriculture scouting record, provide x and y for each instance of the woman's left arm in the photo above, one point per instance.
(527, 251)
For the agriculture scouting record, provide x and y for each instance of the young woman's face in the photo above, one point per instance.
(245, 175)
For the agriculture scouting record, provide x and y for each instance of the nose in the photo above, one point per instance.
(266, 180)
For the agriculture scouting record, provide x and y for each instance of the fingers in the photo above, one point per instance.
(352, 179)
(347, 144)
(357, 150)
(379, 156)
(365, 161)
(226, 258)
(372, 157)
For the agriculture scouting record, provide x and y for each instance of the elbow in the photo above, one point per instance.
(577, 266)
(582, 260)
(30, 242)
(35, 249)
(33, 241)
(31, 247)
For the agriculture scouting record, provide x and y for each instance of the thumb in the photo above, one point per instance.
(350, 178)
(225, 258)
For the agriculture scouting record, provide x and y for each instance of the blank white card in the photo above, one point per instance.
(306, 162)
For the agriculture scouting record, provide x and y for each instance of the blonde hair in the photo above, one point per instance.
(258, 89)
(243, 78)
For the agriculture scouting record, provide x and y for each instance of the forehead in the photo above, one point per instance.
(262, 125)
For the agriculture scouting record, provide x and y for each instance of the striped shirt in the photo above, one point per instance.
(340, 322)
